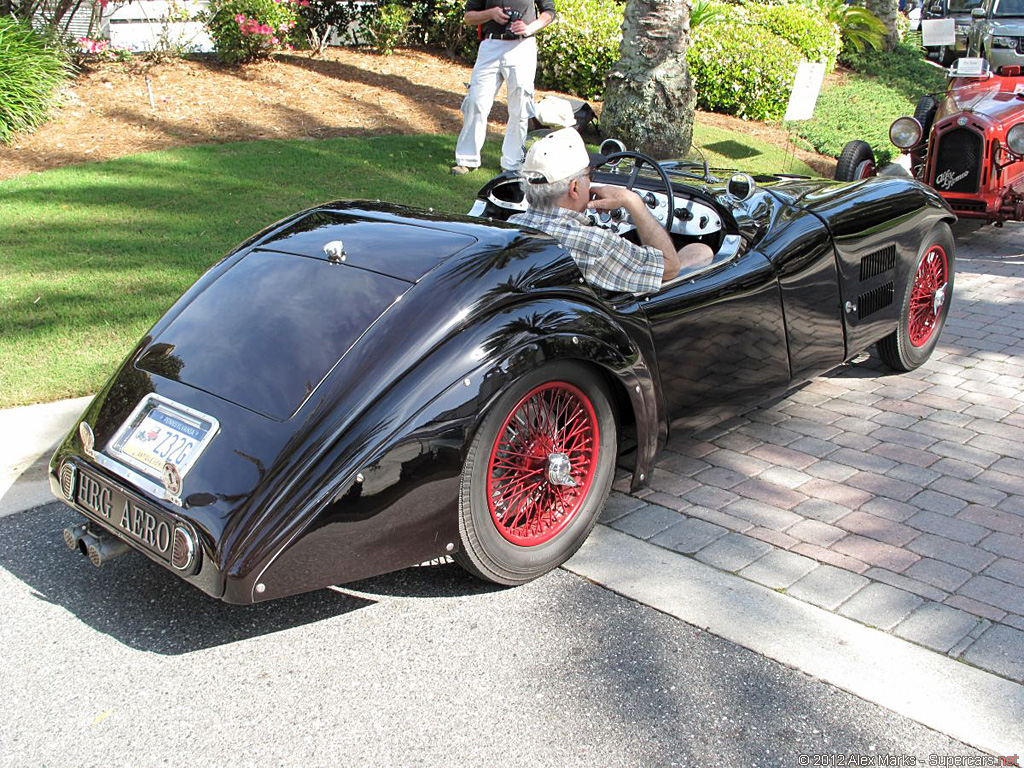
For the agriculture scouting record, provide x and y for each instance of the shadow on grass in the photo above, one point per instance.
(734, 150)
(92, 249)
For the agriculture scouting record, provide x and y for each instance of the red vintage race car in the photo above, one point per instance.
(968, 144)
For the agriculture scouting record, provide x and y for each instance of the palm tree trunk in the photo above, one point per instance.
(886, 11)
(648, 96)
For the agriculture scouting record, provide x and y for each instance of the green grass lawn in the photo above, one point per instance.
(881, 87)
(91, 255)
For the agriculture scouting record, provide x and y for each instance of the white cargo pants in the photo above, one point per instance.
(515, 63)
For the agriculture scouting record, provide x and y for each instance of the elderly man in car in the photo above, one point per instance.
(557, 181)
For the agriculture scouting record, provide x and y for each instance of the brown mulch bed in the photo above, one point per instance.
(122, 109)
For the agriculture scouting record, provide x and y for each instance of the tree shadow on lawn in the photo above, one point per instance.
(96, 248)
(734, 150)
(287, 175)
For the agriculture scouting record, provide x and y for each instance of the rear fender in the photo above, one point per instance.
(385, 494)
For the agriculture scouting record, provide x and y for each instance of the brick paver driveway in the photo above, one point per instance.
(896, 500)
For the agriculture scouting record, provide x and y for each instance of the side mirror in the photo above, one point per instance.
(741, 186)
(936, 8)
(977, 13)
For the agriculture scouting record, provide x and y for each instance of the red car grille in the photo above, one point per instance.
(958, 162)
(967, 206)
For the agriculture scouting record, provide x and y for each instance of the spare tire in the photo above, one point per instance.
(856, 161)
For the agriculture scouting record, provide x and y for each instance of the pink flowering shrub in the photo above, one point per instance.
(248, 30)
(102, 50)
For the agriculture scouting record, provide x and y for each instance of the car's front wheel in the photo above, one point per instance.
(856, 161)
(537, 474)
(925, 304)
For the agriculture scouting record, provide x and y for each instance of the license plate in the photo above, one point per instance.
(160, 431)
(136, 521)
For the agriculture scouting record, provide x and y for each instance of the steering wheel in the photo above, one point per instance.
(639, 160)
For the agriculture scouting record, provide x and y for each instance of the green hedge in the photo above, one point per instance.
(578, 50)
(904, 69)
(741, 69)
(32, 71)
(805, 26)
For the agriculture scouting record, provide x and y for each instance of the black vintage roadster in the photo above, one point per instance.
(363, 387)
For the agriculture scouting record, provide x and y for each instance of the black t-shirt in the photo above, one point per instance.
(527, 7)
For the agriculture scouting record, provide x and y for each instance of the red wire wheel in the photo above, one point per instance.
(553, 429)
(927, 294)
(537, 473)
(930, 278)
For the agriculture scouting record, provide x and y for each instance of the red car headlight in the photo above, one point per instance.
(905, 132)
(1015, 139)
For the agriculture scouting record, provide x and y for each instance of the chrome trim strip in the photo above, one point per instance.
(141, 482)
(729, 251)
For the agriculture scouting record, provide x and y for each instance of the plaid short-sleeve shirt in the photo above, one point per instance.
(604, 258)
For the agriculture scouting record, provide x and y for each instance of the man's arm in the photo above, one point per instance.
(476, 18)
(610, 197)
(522, 28)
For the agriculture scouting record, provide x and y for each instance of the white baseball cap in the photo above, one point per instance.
(555, 157)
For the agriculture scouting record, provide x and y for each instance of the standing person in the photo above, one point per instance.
(508, 52)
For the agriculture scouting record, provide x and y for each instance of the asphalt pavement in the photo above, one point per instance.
(128, 666)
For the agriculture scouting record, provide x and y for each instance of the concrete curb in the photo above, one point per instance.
(976, 707)
(28, 436)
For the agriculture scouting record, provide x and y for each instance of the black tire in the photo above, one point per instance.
(946, 56)
(856, 161)
(914, 339)
(924, 113)
(490, 552)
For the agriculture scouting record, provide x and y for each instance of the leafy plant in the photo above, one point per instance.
(904, 69)
(388, 26)
(742, 69)
(169, 41)
(859, 108)
(248, 30)
(705, 12)
(321, 18)
(802, 24)
(32, 70)
(858, 26)
(102, 50)
(438, 23)
(578, 50)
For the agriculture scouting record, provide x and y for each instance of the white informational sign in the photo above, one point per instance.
(809, 76)
(936, 32)
(973, 67)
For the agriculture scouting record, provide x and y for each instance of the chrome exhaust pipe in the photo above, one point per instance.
(101, 549)
(73, 535)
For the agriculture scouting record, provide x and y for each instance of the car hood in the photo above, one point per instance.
(995, 98)
(1011, 27)
(267, 331)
